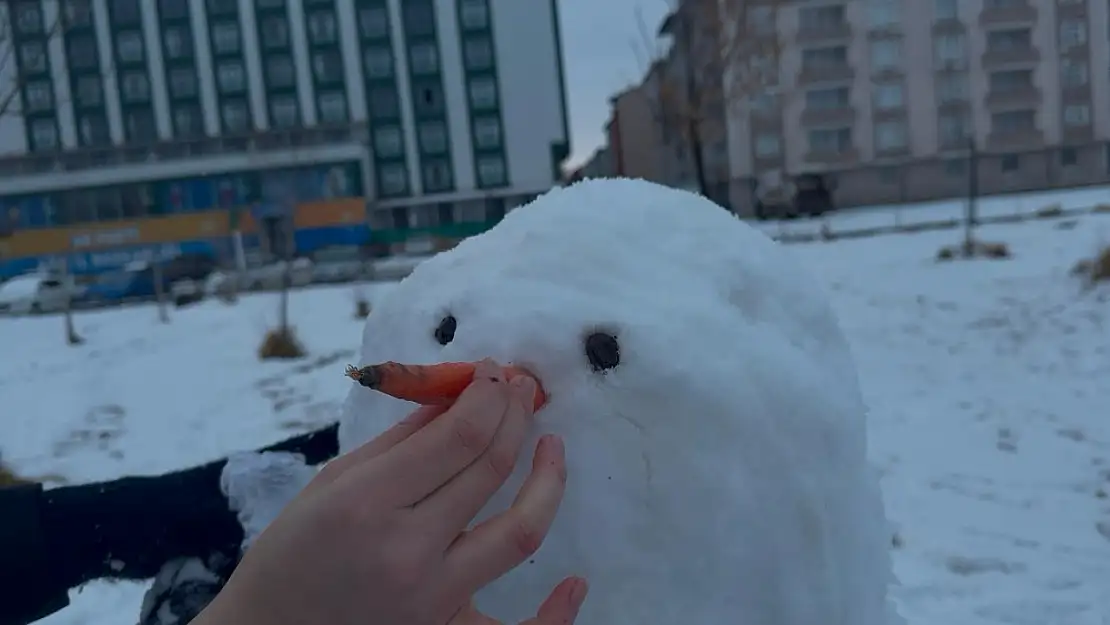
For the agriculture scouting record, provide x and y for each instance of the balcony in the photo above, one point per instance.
(826, 72)
(1075, 94)
(948, 26)
(1025, 55)
(828, 157)
(1021, 97)
(169, 151)
(828, 116)
(1021, 12)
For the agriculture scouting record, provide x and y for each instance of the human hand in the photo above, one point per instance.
(380, 535)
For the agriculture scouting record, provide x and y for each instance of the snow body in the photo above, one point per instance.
(719, 473)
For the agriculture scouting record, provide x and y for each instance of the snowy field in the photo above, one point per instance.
(988, 385)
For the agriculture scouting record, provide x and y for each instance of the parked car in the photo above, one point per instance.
(136, 280)
(37, 293)
(340, 264)
(780, 197)
(270, 276)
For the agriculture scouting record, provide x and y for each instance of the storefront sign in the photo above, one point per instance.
(105, 238)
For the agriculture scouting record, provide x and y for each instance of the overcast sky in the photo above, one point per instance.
(605, 51)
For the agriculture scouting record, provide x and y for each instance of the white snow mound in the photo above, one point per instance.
(719, 473)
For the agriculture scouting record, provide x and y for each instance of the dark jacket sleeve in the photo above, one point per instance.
(128, 528)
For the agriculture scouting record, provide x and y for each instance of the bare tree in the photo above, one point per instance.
(722, 55)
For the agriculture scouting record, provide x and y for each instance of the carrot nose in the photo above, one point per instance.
(430, 385)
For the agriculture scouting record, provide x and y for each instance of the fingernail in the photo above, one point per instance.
(578, 593)
(488, 369)
(524, 390)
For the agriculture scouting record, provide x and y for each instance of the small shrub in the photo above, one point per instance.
(281, 344)
(974, 249)
(946, 253)
(1050, 211)
(826, 232)
(1101, 208)
(994, 250)
(362, 308)
(1100, 267)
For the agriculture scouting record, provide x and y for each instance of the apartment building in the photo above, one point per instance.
(416, 117)
(887, 94)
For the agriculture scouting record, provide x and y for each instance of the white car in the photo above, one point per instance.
(36, 293)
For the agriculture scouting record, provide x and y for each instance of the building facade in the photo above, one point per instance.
(887, 94)
(134, 124)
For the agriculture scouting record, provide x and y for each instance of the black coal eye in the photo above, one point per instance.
(445, 331)
(603, 351)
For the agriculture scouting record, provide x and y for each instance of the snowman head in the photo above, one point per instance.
(712, 419)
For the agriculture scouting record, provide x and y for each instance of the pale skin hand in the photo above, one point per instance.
(380, 536)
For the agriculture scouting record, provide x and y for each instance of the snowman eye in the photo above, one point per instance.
(445, 331)
(603, 351)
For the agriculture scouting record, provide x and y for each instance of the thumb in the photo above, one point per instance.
(562, 605)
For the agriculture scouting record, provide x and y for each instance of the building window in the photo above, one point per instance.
(271, 4)
(429, 100)
(187, 121)
(173, 9)
(90, 91)
(373, 22)
(1009, 40)
(223, 7)
(284, 111)
(136, 87)
(225, 37)
(383, 103)
(821, 17)
(888, 96)
(275, 32)
(433, 137)
(389, 141)
(950, 50)
(886, 55)
(1011, 79)
(473, 14)
(178, 42)
(129, 46)
(768, 146)
(420, 18)
(40, 96)
(32, 58)
(884, 14)
(827, 99)
(28, 18)
(952, 87)
(183, 82)
(322, 28)
(140, 126)
(1077, 115)
(280, 71)
(231, 77)
(126, 11)
(478, 53)
(954, 129)
(1014, 121)
(378, 62)
(956, 167)
(394, 179)
(1009, 162)
(1073, 33)
(236, 116)
(92, 130)
(424, 58)
(1069, 157)
(333, 107)
(890, 136)
(946, 9)
(81, 52)
(830, 140)
(483, 93)
(77, 14)
(1074, 73)
(491, 171)
(327, 67)
(818, 59)
(437, 175)
(487, 133)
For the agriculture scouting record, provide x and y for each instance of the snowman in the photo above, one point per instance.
(715, 433)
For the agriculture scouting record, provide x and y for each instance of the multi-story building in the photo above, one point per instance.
(889, 93)
(126, 125)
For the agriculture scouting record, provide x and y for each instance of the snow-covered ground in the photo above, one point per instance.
(930, 212)
(987, 381)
